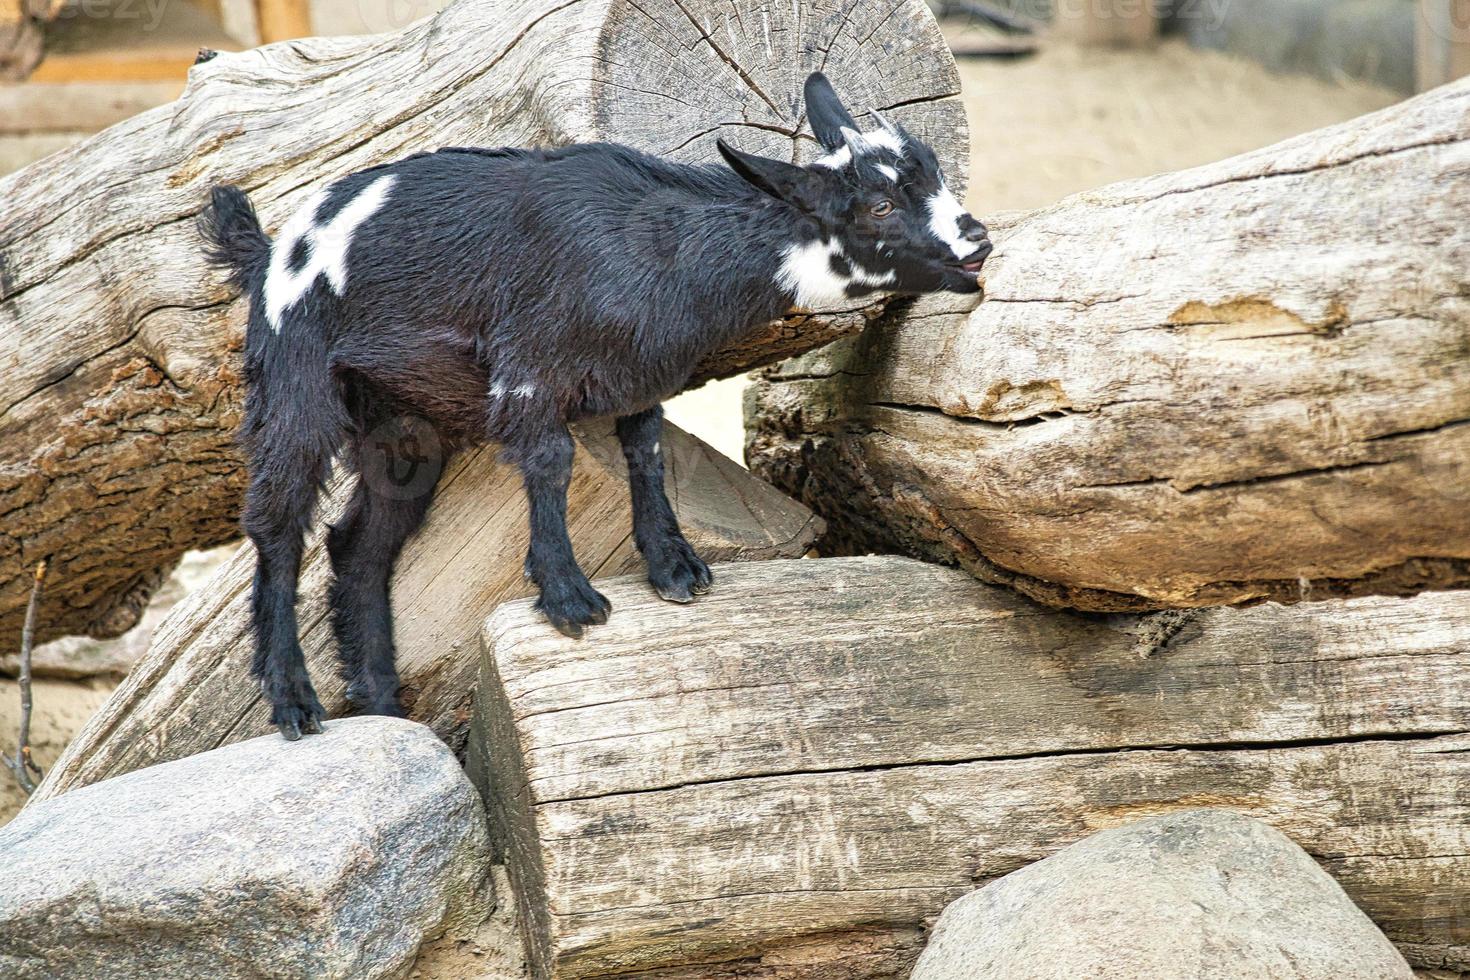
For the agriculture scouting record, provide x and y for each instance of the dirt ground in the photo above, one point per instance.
(1063, 121)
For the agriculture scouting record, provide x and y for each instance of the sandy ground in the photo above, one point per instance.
(1063, 121)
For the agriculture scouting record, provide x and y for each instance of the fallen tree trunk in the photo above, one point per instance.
(120, 390)
(1249, 380)
(192, 691)
(816, 780)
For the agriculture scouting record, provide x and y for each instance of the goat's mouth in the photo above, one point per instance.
(970, 267)
(975, 261)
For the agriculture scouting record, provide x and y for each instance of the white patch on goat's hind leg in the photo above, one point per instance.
(334, 239)
(944, 221)
(328, 243)
(283, 287)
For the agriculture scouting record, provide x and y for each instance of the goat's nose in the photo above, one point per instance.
(974, 231)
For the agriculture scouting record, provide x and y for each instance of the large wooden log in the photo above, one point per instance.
(790, 780)
(192, 691)
(119, 369)
(1249, 380)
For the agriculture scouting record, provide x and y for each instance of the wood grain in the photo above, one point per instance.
(1249, 380)
(793, 779)
(192, 691)
(119, 349)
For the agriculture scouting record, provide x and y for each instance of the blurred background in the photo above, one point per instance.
(1062, 96)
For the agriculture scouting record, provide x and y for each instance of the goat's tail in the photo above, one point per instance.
(233, 235)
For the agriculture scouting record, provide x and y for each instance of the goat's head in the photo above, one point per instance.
(884, 217)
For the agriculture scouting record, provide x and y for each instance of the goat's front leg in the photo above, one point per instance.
(674, 569)
(567, 599)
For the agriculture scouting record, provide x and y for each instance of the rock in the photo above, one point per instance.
(1199, 893)
(336, 856)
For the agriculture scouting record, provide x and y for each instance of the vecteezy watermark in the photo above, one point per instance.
(149, 12)
(402, 458)
(380, 16)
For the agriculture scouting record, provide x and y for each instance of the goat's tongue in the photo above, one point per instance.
(974, 266)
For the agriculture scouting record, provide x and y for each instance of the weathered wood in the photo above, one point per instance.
(119, 370)
(1248, 380)
(789, 780)
(192, 691)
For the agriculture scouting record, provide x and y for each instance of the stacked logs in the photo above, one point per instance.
(1190, 393)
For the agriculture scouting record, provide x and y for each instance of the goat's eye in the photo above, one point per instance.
(882, 209)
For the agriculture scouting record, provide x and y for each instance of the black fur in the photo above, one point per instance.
(498, 295)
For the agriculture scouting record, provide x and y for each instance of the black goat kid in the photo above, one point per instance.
(474, 295)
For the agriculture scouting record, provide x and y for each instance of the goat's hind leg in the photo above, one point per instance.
(278, 505)
(675, 571)
(398, 466)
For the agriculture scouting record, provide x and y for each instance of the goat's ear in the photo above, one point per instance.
(825, 110)
(785, 181)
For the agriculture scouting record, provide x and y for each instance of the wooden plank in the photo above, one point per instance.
(282, 20)
(163, 64)
(192, 691)
(826, 753)
(38, 107)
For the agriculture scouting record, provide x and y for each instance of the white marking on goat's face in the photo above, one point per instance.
(885, 139)
(835, 160)
(888, 172)
(944, 221)
(807, 272)
(327, 245)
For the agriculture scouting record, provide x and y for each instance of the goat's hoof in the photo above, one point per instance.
(573, 607)
(293, 721)
(681, 576)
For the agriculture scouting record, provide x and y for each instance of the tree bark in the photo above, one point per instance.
(811, 785)
(1249, 380)
(192, 691)
(120, 390)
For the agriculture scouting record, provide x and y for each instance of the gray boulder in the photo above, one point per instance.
(1203, 894)
(334, 856)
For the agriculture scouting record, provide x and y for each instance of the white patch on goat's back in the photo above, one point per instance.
(328, 244)
(497, 390)
(525, 391)
(944, 220)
